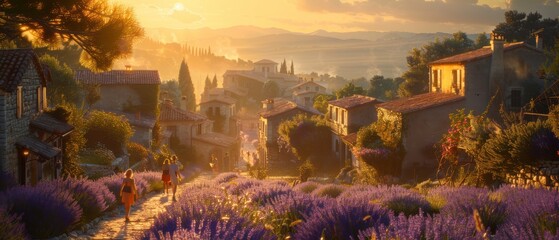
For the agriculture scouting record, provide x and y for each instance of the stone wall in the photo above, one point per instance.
(546, 175)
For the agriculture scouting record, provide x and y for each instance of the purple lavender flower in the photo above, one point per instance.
(46, 211)
(11, 226)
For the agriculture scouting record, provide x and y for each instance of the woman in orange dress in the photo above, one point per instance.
(165, 177)
(128, 192)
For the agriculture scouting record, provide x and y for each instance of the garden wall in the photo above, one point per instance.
(545, 175)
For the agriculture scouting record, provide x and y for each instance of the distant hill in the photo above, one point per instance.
(349, 54)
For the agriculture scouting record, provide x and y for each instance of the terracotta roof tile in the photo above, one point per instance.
(282, 106)
(353, 101)
(171, 113)
(420, 102)
(480, 53)
(13, 64)
(119, 77)
(350, 139)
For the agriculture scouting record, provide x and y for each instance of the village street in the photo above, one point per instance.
(112, 225)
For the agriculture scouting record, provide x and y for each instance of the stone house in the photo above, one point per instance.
(195, 130)
(423, 119)
(252, 81)
(132, 93)
(511, 71)
(222, 109)
(345, 117)
(305, 92)
(31, 141)
(273, 113)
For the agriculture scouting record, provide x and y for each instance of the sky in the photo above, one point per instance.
(336, 15)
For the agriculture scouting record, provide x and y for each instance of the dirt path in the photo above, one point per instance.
(113, 226)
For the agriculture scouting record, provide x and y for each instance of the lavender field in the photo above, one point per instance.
(235, 207)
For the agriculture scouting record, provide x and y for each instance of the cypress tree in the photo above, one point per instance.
(214, 81)
(292, 69)
(186, 87)
(283, 67)
(207, 84)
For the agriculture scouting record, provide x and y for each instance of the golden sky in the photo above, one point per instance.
(336, 15)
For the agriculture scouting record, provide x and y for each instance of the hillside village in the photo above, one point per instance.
(250, 107)
(106, 134)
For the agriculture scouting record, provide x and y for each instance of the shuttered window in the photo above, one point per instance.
(19, 109)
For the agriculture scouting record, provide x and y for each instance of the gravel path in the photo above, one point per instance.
(112, 225)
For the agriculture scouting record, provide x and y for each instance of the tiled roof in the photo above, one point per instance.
(420, 102)
(13, 64)
(50, 124)
(305, 83)
(481, 53)
(282, 106)
(216, 139)
(265, 61)
(170, 113)
(350, 139)
(353, 101)
(37, 146)
(206, 98)
(119, 77)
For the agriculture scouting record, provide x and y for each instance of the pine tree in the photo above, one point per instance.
(186, 87)
(214, 81)
(207, 84)
(283, 68)
(292, 69)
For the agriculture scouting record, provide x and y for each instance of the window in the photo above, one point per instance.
(455, 78)
(336, 114)
(515, 98)
(172, 129)
(435, 77)
(19, 109)
(316, 89)
(39, 99)
(45, 103)
(343, 116)
(199, 130)
(217, 111)
(330, 113)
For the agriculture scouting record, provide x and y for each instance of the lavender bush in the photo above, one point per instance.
(329, 190)
(11, 227)
(7, 181)
(114, 183)
(306, 187)
(93, 197)
(225, 177)
(46, 211)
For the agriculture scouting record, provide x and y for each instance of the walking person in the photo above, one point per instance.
(165, 176)
(175, 175)
(128, 192)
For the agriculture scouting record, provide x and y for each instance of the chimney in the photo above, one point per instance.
(268, 104)
(182, 104)
(497, 70)
(128, 67)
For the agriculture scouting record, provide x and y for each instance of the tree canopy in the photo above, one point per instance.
(321, 102)
(349, 90)
(63, 86)
(186, 87)
(104, 31)
(519, 26)
(416, 79)
(384, 88)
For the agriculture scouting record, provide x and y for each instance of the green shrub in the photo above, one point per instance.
(137, 152)
(99, 155)
(330, 190)
(108, 129)
(306, 170)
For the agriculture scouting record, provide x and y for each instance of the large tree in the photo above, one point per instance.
(384, 88)
(321, 102)
(417, 77)
(186, 87)
(104, 31)
(519, 26)
(349, 90)
(63, 86)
